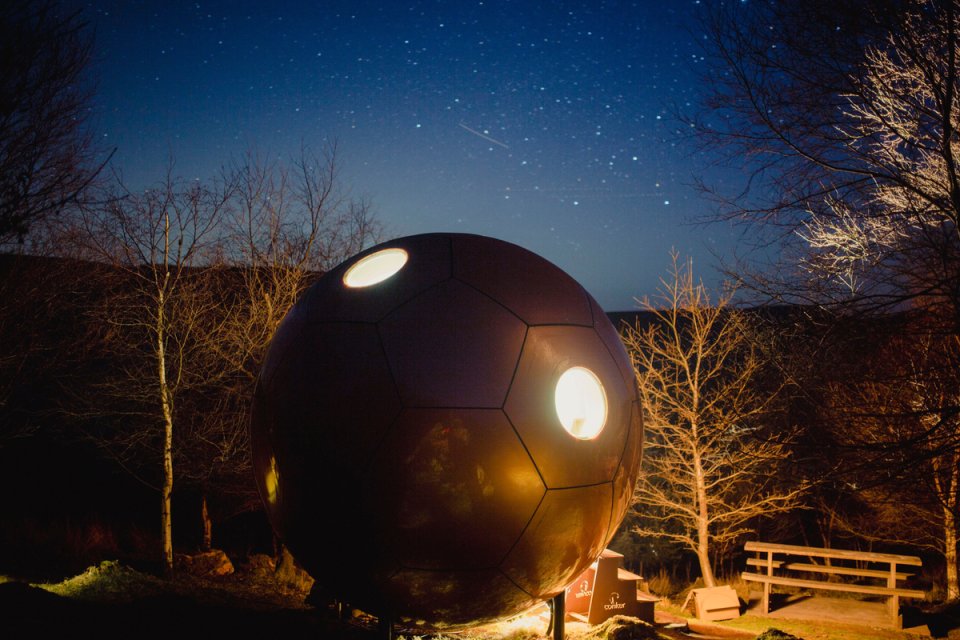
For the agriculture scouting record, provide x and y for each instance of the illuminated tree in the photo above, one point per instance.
(844, 116)
(709, 468)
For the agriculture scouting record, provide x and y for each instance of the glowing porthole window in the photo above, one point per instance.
(581, 403)
(375, 268)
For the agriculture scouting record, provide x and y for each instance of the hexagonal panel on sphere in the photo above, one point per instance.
(452, 346)
(565, 536)
(563, 460)
(439, 478)
(444, 430)
(536, 290)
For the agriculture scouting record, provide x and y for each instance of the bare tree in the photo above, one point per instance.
(291, 223)
(288, 224)
(161, 244)
(204, 274)
(48, 151)
(709, 469)
(901, 428)
(844, 115)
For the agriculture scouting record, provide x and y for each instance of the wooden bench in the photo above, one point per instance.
(892, 575)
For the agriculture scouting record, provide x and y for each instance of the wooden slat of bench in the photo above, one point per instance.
(819, 568)
(815, 584)
(762, 562)
(833, 553)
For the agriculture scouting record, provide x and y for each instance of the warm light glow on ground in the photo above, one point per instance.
(581, 403)
(375, 268)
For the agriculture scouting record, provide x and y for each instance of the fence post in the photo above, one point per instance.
(894, 598)
(766, 585)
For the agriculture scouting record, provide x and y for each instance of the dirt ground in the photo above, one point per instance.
(112, 601)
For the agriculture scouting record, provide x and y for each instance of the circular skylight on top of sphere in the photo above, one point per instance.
(375, 268)
(581, 403)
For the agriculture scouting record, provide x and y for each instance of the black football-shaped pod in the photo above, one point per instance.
(446, 428)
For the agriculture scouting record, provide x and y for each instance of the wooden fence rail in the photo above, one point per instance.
(892, 575)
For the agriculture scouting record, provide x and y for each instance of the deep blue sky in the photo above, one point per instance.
(540, 123)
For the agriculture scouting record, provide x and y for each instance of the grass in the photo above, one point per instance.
(111, 582)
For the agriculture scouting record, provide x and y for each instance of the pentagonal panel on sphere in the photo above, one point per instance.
(438, 480)
(566, 534)
(614, 343)
(332, 401)
(564, 460)
(452, 347)
(428, 263)
(624, 484)
(455, 599)
(531, 287)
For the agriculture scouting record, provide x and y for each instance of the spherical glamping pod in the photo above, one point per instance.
(446, 429)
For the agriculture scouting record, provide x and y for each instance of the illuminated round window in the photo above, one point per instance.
(581, 403)
(375, 268)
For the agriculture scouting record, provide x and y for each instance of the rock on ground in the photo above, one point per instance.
(212, 563)
(776, 634)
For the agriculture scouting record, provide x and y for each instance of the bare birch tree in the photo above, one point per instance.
(708, 470)
(159, 242)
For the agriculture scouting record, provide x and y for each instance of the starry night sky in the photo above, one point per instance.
(540, 123)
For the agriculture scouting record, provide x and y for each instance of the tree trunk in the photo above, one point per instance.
(207, 543)
(950, 540)
(166, 526)
(703, 531)
(950, 534)
(167, 491)
(945, 477)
